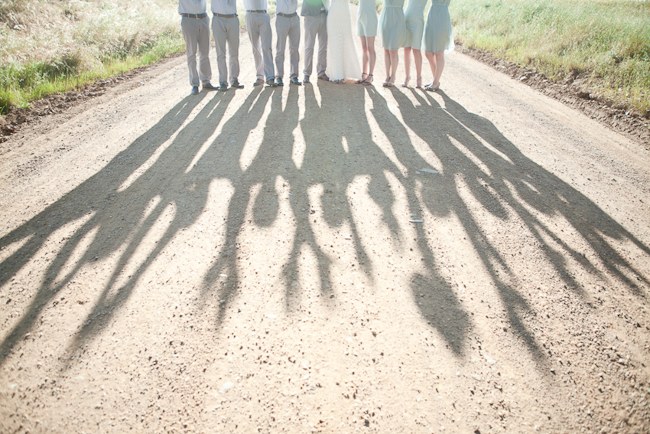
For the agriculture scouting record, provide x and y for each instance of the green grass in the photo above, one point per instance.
(22, 84)
(52, 47)
(601, 45)
(604, 46)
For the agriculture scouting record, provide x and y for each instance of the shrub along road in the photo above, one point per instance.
(325, 258)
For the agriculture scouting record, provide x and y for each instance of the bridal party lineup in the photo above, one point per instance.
(336, 47)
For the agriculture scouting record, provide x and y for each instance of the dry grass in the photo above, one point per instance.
(37, 31)
(52, 46)
(602, 45)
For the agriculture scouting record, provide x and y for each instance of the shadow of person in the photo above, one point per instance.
(223, 161)
(163, 188)
(459, 173)
(431, 292)
(273, 161)
(550, 195)
(327, 170)
(475, 157)
(110, 215)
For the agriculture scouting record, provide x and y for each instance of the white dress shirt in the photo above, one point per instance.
(255, 5)
(286, 6)
(225, 7)
(191, 6)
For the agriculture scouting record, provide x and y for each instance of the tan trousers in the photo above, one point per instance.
(287, 27)
(259, 31)
(315, 27)
(226, 34)
(196, 32)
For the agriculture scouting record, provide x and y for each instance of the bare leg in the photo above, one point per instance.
(364, 50)
(394, 60)
(417, 55)
(372, 55)
(440, 66)
(407, 65)
(432, 63)
(387, 65)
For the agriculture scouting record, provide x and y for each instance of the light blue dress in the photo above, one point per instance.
(437, 32)
(367, 18)
(414, 18)
(392, 24)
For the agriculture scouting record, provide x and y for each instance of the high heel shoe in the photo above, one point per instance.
(364, 77)
(432, 87)
(368, 80)
(406, 81)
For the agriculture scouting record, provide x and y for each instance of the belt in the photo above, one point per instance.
(280, 14)
(257, 11)
(224, 15)
(203, 15)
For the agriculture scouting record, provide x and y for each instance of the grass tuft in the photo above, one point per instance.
(602, 45)
(50, 47)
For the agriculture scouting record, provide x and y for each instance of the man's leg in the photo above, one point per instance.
(220, 36)
(311, 30)
(191, 46)
(205, 72)
(232, 29)
(281, 33)
(294, 46)
(266, 40)
(252, 25)
(321, 66)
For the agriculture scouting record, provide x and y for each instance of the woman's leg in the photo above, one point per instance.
(394, 60)
(372, 55)
(440, 66)
(387, 65)
(417, 56)
(364, 50)
(432, 63)
(407, 65)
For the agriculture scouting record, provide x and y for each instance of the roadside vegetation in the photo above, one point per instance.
(602, 46)
(49, 47)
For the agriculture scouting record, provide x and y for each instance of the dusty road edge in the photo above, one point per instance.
(621, 120)
(631, 125)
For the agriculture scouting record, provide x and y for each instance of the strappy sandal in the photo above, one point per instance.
(368, 80)
(364, 77)
(406, 82)
(431, 88)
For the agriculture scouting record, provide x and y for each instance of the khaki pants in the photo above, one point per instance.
(315, 26)
(226, 33)
(259, 31)
(196, 32)
(287, 27)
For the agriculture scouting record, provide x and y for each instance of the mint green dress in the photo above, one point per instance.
(437, 31)
(414, 19)
(366, 18)
(392, 24)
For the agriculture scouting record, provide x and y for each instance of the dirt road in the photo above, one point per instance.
(325, 258)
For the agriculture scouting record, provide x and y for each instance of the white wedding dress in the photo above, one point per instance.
(342, 57)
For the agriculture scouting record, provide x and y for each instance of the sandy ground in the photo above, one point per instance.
(326, 258)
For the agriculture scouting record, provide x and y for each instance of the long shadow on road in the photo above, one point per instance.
(117, 219)
(499, 178)
(509, 185)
